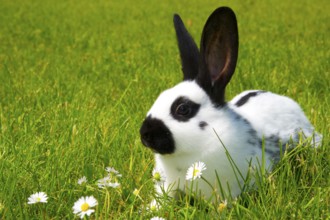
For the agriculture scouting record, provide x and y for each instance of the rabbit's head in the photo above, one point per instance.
(177, 121)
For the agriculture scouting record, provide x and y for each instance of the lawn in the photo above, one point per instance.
(77, 78)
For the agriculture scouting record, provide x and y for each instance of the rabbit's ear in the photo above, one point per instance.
(189, 52)
(219, 50)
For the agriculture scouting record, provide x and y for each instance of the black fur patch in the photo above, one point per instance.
(155, 135)
(253, 140)
(274, 142)
(202, 124)
(274, 154)
(246, 98)
(184, 109)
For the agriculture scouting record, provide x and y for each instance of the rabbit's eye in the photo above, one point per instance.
(183, 109)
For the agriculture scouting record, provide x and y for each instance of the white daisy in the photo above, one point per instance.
(114, 185)
(106, 182)
(103, 183)
(154, 206)
(113, 170)
(83, 206)
(158, 176)
(38, 197)
(136, 192)
(82, 180)
(195, 170)
(157, 218)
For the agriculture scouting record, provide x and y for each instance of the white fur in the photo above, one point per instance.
(273, 114)
(267, 113)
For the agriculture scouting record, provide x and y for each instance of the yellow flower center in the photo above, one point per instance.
(84, 207)
(38, 199)
(196, 171)
(153, 208)
(157, 176)
(136, 192)
(222, 207)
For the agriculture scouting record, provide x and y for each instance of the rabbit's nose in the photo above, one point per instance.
(146, 138)
(148, 132)
(155, 135)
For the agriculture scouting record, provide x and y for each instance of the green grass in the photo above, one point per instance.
(77, 77)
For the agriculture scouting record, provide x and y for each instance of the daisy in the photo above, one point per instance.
(113, 170)
(222, 206)
(114, 185)
(136, 192)
(157, 218)
(106, 182)
(83, 206)
(82, 180)
(195, 171)
(158, 176)
(103, 183)
(38, 197)
(154, 206)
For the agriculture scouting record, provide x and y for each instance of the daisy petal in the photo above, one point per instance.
(195, 171)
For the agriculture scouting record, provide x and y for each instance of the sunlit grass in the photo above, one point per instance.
(77, 78)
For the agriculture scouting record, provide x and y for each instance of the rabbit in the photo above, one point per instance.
(192, 121)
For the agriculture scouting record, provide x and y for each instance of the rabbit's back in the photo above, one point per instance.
(274, 117)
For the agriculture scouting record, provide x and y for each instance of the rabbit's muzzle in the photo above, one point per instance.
(156, 136)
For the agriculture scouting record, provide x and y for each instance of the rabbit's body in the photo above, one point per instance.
(237, 127)
(192, 121)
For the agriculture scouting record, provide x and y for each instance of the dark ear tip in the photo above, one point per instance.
(224, 11)
(177, 19)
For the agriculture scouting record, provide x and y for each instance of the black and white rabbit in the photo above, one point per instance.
(192, 121)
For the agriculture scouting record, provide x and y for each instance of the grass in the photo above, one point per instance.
(77, 77)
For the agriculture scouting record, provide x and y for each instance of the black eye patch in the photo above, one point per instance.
(183, 109)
